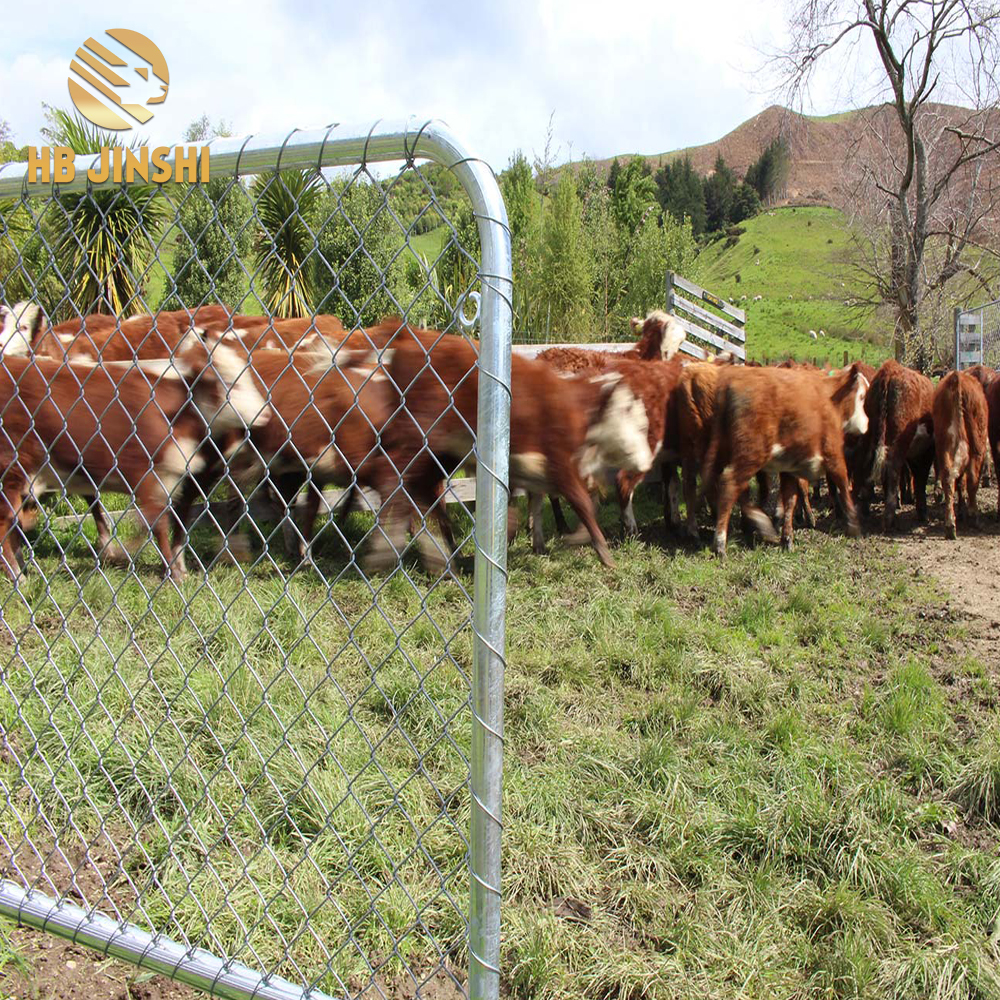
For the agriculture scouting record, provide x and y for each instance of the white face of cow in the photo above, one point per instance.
(619, 437)
(857, 422)
(20, 325)
(238, 403)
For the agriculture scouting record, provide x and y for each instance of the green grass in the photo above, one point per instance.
(795, 258)
(721, 780)
(430, 244)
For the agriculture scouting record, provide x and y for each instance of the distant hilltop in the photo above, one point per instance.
(820, 148)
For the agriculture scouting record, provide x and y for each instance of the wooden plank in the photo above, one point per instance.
(696, 290)
(720, 325)
(693, 330)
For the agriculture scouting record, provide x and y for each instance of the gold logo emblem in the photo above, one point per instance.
(93, 65)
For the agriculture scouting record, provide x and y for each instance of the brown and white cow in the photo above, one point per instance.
(784, 422)
(254, 333)
(960, 441)
(565, 431)
(133, 428)
(660, 338)
(652, 383)
(323, 429)
(901, 433)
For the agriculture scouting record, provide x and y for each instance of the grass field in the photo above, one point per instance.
(795, 258)
(772, 777)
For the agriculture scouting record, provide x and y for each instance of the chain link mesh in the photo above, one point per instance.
(270, 758)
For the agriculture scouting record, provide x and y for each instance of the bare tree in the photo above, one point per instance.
(925, 177)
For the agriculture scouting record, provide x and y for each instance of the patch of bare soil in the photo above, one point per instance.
(967, 569)
(61, 970)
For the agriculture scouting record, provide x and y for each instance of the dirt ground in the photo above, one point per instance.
(967, 569)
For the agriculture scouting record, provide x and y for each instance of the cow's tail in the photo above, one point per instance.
(959, 417)
(878, 435)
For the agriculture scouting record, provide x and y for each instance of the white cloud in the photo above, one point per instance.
(645, 76)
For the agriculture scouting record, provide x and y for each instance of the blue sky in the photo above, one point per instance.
(627, 77)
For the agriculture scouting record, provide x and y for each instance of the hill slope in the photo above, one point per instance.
(795, 259)
(820, 148)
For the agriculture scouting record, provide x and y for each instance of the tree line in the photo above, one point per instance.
(590, 249)
(719, 200)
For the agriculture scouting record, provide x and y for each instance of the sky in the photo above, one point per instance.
(643, 77)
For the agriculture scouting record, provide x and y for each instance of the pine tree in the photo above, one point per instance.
(720, 192)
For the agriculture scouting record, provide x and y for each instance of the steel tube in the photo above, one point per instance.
(192, 966)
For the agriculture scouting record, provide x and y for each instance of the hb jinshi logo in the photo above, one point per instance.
(96, 65)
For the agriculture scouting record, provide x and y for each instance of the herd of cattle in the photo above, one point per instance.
(168, 408)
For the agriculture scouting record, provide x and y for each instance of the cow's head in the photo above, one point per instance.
(849, 397)
(662, 335)
(618, 436)
(21, 327)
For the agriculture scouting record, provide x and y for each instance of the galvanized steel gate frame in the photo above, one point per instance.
(345, 145)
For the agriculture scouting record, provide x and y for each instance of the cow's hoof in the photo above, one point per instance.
(762, 525)
(786, 544)
(581, 536)
(950, 532)
(113, 554)
(853, 528)
(719, 548)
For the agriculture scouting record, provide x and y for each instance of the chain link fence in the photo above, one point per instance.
(977, 336)
(258, 758)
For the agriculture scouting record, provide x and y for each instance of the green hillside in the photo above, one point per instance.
(795, 259)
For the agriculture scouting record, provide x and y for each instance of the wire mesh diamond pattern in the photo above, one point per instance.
(219, 724)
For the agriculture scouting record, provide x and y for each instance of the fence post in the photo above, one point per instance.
(846, 357)
(670, 293)
(492, 497)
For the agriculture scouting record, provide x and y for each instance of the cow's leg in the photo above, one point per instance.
(286, 488)
(802, 490)
(108, 549)
(972, 476)
(790, 489)
(671, 497)
(535, 501)
(947, 475)
(689, 473)
(626, 482)
(14, 495)
(836, 469)
(890, 487)
(557, 513)
(996, 470)
(443, 519)
(963, 509)
(572, 488)
(154, 509)
(349, 502)
(725, 496)
(9, 546)
(310, 509)
(921, 471)
(764, 496)
(906, 485)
